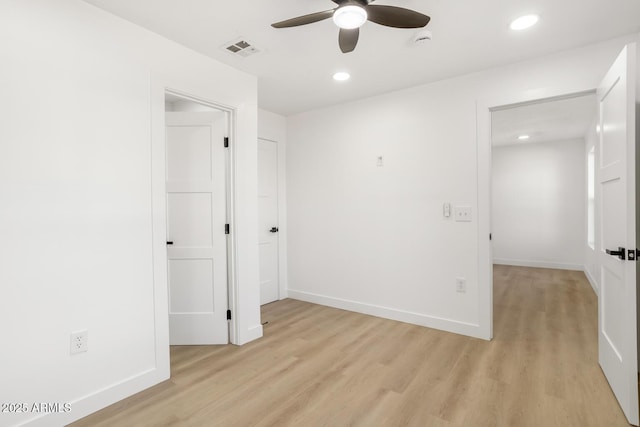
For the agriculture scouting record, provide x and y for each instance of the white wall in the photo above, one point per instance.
(373, 239)
(273, 127)
(82, 247)
(538, 204)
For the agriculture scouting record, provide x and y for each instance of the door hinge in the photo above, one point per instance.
(226, 229)
(226, 142)
(228, 314)
(490, 236)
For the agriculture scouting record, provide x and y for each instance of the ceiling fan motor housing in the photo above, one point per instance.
(352, 2)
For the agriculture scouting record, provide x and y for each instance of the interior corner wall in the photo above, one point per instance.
(591, 263)
(372, 238)
(273, 127)
(538, 204)
(79, 235)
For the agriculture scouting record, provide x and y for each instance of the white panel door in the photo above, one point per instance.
(196, 217)
(268, 220)
(617, 301)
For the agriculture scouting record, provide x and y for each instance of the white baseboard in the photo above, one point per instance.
(107, 396)
(539, 264)
(592, 281)
(100, 399)
(448, 325)
(253, 333)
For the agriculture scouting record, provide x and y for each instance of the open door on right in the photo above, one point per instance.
(617, 340)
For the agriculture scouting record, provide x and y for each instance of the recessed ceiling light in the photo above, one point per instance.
(523, 137)
(524, 22)
(350, 17)
(341, 76)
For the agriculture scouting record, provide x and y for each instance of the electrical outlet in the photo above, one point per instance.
(79, 342)
(463, 213)
(461, 285)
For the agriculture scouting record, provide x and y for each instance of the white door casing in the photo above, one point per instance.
(616, 166)
(268, 220)
(196, 217)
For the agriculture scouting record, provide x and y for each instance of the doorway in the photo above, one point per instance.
(543, 184)
(268, 221)
(539, 182)
(615, 169)
(197, 200)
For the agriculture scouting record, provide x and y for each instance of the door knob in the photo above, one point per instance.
(619, 253)
(273, 230)
(169, 243)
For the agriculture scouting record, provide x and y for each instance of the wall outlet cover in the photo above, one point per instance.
(463, 213)
(79, 342)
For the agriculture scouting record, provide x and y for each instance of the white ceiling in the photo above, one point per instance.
(557, 120)
(296, 64)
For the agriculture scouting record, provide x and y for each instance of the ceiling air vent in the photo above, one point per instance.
(241, 47)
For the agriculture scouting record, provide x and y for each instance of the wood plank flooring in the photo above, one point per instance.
(319, 366)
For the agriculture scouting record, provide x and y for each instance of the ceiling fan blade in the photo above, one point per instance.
(348, 39)
(305, 19)
(397, 17)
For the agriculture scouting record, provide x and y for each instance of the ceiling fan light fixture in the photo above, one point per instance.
(350, 17)
(524, 22)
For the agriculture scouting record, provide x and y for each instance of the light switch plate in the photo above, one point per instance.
(462, 213)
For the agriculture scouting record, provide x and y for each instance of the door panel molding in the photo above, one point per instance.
(616, 160)
(196, 218)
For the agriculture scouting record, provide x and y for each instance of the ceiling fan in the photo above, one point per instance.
(350, 15)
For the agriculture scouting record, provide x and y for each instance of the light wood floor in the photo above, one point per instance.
(318, 366)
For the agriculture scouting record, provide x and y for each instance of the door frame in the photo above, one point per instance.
(159, 90)
(484, 109)
(216, 320)
(229, 198)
